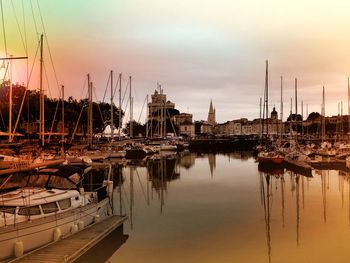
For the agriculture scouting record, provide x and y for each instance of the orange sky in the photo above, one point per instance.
(197, 50)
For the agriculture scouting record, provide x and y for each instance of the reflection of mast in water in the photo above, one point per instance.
(297, 203)
(324, 196)
(266, 204)
(303, 190)
(148, 202)
(282, 195)
(349, 200)
(162, 169)
(131, 194)
(341, 189)
(120, 194)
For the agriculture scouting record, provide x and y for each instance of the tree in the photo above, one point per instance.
(292, 117)
(138, 129)
(313, 116)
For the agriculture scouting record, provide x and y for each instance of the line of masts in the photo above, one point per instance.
(264, 114)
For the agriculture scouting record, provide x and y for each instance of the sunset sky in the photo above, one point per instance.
(197, 49)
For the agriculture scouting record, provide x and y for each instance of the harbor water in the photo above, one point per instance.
(223, 208)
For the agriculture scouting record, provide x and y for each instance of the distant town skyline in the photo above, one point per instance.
(197, 50)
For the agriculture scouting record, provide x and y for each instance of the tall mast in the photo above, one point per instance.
(120, 105)
(307, 121)
(10, 104)
(281, 126)
(341, 121)
(112, 124)
(89, 111)
(164, 117)
(260, 120)
(290, 119)
(42, 114)
(348, 109)
(160, 124)
(147, 117)
(131, 110)
(267, 97)
(302, 119)
(323, 110)
(296, 109)
(62, 138)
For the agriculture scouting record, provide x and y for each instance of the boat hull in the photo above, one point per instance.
(39, 232)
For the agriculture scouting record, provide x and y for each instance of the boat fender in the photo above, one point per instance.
(19, 248)
(80, 224)
(57, 234)
(97, 218)
(74, 228)
(109, 210)
(110, 188)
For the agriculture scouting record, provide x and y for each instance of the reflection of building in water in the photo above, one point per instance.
(162, 171)
(212, 163)
(187, 161)
(240, 155)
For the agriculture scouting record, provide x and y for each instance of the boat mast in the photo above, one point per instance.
(90, 112)
(62, 138)
(131, 110)
(348, 109)
(302, 119)
(160, 124)
(164, 117)
(42, 114)
(341, 121)
(147, 113)
(260, 120)
(307, 121)
(112, 124)
(267, 97)
(290, 119)
(281, 126)
(10, 104)
(323, 116)
(120, 105)
(296, 110)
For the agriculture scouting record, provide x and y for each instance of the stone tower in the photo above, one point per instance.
(211, 114)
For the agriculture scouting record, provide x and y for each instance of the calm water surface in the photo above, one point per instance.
(221, 208)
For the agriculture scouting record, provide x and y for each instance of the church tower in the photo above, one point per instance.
(211, 114)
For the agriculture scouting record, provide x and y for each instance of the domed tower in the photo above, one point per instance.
(274, 114)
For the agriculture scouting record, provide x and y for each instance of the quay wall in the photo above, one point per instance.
(223, 145)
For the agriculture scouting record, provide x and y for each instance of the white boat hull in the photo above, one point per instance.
(39, 232)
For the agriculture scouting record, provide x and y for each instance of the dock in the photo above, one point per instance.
(71, 248)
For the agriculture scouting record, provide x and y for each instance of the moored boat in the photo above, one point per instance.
(270, 157)
(37, 208)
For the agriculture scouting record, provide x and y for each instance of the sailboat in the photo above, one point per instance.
(268, 156)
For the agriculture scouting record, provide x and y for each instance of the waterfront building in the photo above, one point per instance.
(187, 129)
(183, 118)
(203, 128)
(185, 124)
(245, 127)
(160, 112)
(159, 102)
